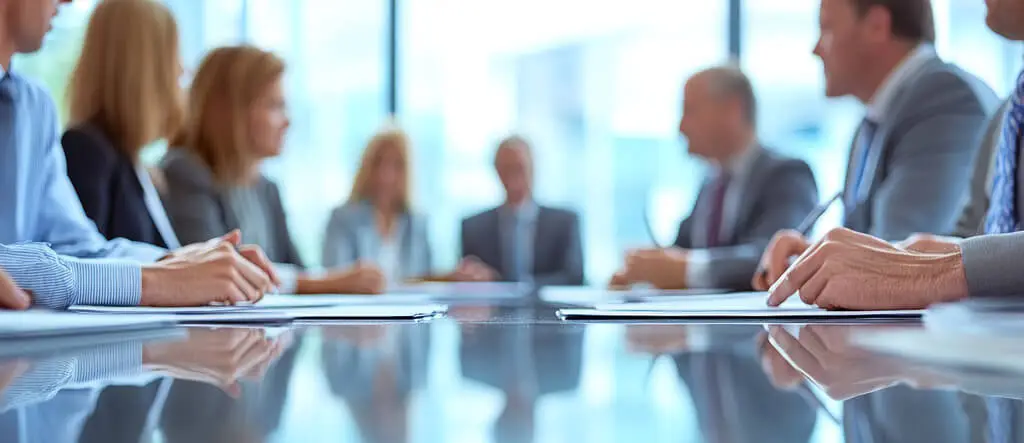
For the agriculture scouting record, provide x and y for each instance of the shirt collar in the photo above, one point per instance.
(741, 164)
(525, 211)
(879, 104)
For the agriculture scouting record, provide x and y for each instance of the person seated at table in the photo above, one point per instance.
(48, 246)
(752, 193)
(123, 96)
(236, 119)
(521, 240)
(377, 224)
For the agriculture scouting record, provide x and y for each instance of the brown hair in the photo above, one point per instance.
(126, 79)
(228, 82)
(393, 137)
(911, 19)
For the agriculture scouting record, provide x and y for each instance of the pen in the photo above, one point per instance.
(807, 225)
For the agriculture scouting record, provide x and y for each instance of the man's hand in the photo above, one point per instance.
(850, 270)
(471, 269)
(784, 246)
(619, 281)
(12, 297)
(219, 357)
(930, 244)
(662, 268)
(252, 253)
(214, 271)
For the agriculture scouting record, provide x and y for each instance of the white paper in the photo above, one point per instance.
(38, 323)
(748, 305)
(368, 312)
(146, 310)
(584, 296)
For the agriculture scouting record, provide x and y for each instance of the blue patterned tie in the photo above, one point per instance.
(865, 138)
(1002, 214)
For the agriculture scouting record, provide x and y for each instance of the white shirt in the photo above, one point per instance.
(389, 258)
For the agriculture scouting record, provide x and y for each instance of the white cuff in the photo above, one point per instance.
(698, 266)
(289, 276)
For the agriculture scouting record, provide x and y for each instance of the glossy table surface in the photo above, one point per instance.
(512, 372)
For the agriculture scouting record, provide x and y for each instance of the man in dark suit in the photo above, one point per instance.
(521, 240)
(750, 194)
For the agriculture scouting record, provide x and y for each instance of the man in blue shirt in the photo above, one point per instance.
(50, 248)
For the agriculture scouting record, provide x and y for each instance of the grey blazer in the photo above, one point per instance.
(199, 210)
(352, 236)
(918, 170)
(778, 194)
(557, 254)
(972, 219)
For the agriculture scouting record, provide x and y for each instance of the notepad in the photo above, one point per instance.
(42, 323)
(274, 312)
(584, 296)
(740, 306)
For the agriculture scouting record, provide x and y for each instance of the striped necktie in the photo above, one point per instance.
(1002, 213)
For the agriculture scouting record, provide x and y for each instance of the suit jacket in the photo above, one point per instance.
(106, 182)
(199, 210)
(557, 254)
(778, 194)
(352, 236)
(972, 219)
(918, 170)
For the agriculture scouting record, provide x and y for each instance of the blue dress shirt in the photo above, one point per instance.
(518, 229)
(42, 223)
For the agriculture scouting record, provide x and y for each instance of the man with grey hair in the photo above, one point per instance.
(751, 193)
(521, 241)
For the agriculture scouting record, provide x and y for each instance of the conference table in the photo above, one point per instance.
(507, 369)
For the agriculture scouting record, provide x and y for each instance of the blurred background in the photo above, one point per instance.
(596, 85)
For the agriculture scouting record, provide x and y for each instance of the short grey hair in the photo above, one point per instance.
(730, 81)
(515, 140)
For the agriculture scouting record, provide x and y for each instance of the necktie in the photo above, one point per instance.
(714, 233)
(865, 138)
(1002, 213)
(514, 247)
(8, 156)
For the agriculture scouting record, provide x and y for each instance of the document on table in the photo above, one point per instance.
(42, 323)
(584, 296)
(281, 311)
(741, 306)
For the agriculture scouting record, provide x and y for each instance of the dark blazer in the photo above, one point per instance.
(107, 184)
(778, 194)
(199, 210)
(557, 254)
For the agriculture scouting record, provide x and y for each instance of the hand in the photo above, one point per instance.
(219, 357)
(200, 274)
(252, 253)
(930, 244)
(850, 270)
(784, 246)
(657, 339)
(619, 281)
(781, 374)
(471, 269)
(363, 278)
(825, 354)
(12, 297)
(663, 268)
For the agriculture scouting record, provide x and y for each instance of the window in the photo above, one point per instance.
(597, 87)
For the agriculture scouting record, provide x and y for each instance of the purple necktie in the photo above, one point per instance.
(720, 185)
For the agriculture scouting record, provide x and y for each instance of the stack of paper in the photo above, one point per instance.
(276, 310)
(739, 306)
(584, 296)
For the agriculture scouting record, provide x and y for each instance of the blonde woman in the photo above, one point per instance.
(124, 95)
(377, 225)
(237, 118)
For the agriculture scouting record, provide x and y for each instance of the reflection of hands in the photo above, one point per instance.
(471, 269)
(663, 268)
(10, 370)
(850, 270)
(219, 357)
(657, 339)
(361, 336)
(12, 297)
(826, 356)
(780, 372)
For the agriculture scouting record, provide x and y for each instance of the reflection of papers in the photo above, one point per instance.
(948, 348)
(743, 306)
(41, 323)
(584, 296)
(277, 311)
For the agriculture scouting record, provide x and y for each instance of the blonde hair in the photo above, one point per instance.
(126, 79)
(389, 137)
(228, 82)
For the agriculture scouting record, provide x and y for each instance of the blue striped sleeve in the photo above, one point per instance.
(58, 282)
